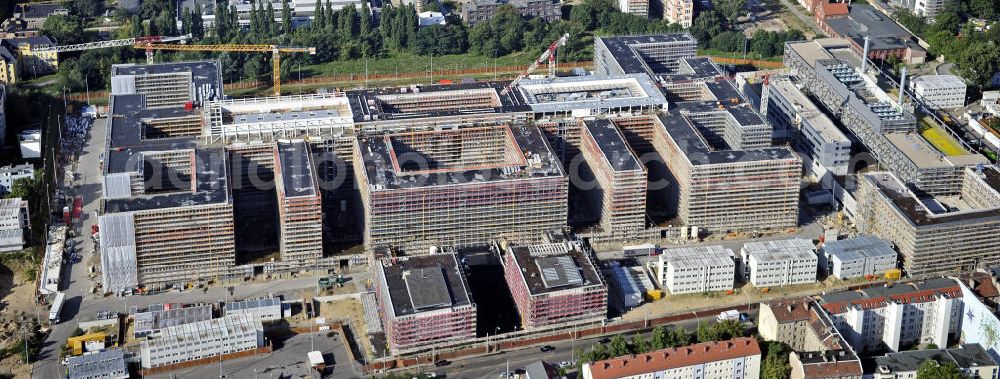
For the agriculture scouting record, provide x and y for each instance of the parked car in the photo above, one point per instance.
(442, 363)
(547, 348)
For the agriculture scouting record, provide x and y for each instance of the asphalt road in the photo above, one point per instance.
(75, 282)
(490, 366)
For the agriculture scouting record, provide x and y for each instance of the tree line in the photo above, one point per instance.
(351, 33)
(974, 51)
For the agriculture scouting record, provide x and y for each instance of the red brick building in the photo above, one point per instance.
(554, 283)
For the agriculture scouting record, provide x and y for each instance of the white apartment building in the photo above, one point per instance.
(924, 8)
(264, 309)
(696, 269)
(10, 174)
(825, 148)
(940, 91)
(13, 221)
(203, 339)
(679, 12)
(779, 263)
(637, 7)
(881, 319)
(738, 358)
(858, 257)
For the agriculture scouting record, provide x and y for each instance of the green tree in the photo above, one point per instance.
(22, 188)
(84, 8)
(66, 29)
(986, 9)
(730, 9)
(678, 337)
(931, 369)
(775, 365)
(619, 346)
(640, 345)
(658, 338)
(286, 18)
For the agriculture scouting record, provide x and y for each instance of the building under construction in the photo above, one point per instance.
(300, 207)
(459, 186)
(554, 283)
(934, 235)
(619, 178)
(423, 300)
(831, 71)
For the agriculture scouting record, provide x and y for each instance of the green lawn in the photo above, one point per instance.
(407, 62)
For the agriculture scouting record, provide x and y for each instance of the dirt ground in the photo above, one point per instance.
(674, 304)
(17, 305)
(353, 310)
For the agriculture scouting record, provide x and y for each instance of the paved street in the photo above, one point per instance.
(492, 365)
(75, 282)
(288, 361)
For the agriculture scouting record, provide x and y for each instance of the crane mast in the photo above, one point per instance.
(549, 55)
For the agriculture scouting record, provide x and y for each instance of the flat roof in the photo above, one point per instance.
(296, 169)
(378, 156)
(916, 212)
(938, 81)
(817, 49)
(623, 49)
(917, 150)
(210, 187)
(781, 250)
(252, 304)
(860, 247)
(698, 152)
(371, 105)
(205, 75)
(787, 88)
(102, 364)
(569, 93)
(965, 356)
(613, 146)
(425, 283)
(699, 256)
(864, 20)
(159, 319)
(547, 268)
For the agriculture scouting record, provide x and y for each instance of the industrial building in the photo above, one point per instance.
(939, 91)
(104, 364)
(696, 269)
(10, 174)
(202, 339)
(857, 257)
(264, 309)
(934, 234)
(835, 75)
(895, 317)
(727, 189)
(648, 54)
(459, 186)
(591, 95)
(167, 210)
(161, 316)
(818, 349)
(554, 284)
(300, 206)
(632, 284)
(428, 107)
(738, 358)
(971, 359)
(779, 262)
(14, 222)
(885, 37)
(826, 150)
(619, 177)
(423, 300)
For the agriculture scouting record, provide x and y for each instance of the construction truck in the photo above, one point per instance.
(56, 308)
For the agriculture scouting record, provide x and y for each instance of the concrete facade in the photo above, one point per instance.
(696, 269)
(939, 91)
(858, 257)
(779, 263)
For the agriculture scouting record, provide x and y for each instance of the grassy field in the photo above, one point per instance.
(940, 138)
(406, 62)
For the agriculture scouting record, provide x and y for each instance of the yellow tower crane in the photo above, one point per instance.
(274, 49)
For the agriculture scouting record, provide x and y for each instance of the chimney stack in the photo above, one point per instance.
(864, 57)
(902, 85)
